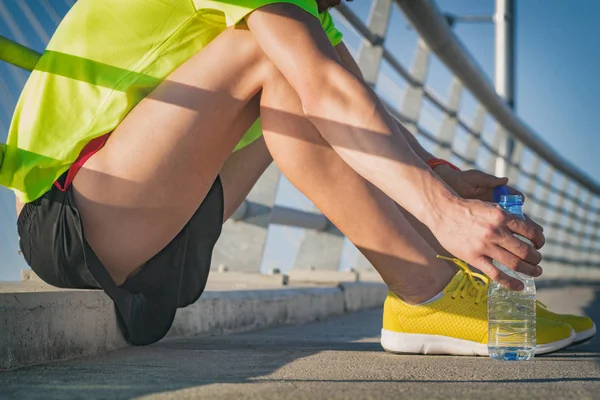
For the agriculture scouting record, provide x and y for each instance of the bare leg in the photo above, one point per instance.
(369, 218)
(243, 168)
(425, 233)
(240, 173)
(137, 193)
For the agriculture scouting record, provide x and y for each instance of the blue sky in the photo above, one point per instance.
(557, 77)
(556, 72)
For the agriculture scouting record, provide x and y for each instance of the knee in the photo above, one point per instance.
(256, 62)
(269, 72)
(327, 89)
(317, 91)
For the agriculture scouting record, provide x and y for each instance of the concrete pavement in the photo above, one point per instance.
(334, 359)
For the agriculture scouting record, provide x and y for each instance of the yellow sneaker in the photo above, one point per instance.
(584, 327)
(456, 323)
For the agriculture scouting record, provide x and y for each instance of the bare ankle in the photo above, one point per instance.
(424, 287)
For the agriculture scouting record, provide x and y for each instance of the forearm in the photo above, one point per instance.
(368, 138)
(414, 143)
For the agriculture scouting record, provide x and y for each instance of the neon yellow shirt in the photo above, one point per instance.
(103, 59)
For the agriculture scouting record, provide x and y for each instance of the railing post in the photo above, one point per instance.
(542, 211)
(320, 250)
(592, 242)
(413, 98)
(497, 163)
(557, 213)
(293, 241)
(579, 227)
(546, 181)
(242, 243)
(514, 166)
(532, 182)
(554, 229)
(569, 228)
(353, 259)
(593, 257)
(474, 141)
(370, 55)
(532, 208)
(443, 148)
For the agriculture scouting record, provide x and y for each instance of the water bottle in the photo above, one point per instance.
(511, 314)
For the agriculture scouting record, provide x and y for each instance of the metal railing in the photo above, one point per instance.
(278, 229)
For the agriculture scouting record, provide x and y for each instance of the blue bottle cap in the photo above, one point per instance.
(511, 200)
(500, 191)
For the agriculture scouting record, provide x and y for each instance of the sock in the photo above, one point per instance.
(434, 298)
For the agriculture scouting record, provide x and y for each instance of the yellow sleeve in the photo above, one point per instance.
(236, 10)
(335, 36)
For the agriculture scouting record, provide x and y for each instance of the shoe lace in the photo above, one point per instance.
(469, 285)
(541, 304)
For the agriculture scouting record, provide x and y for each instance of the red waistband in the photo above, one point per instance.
(89, 150)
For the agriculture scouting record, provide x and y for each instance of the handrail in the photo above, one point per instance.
(428, 21)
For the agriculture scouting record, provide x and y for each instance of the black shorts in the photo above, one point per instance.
(53, 244)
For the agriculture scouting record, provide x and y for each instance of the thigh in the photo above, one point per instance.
(136, 194)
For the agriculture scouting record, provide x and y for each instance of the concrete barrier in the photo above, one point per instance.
(358, 296)
(40, 323)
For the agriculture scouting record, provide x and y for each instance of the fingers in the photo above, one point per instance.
(486, 265)
(495, 181)
(519, 257)
(483, 184)
(528, 230)
(529, 220)
(485, 180)
(489, 182)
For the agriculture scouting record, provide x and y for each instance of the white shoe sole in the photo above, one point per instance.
(585, 335)
(415, 343)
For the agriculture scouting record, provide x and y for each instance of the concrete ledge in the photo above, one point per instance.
(223, 312)
(46, 326)
(39, 323)
(370, 276)
(317, 276)
(358, 296)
